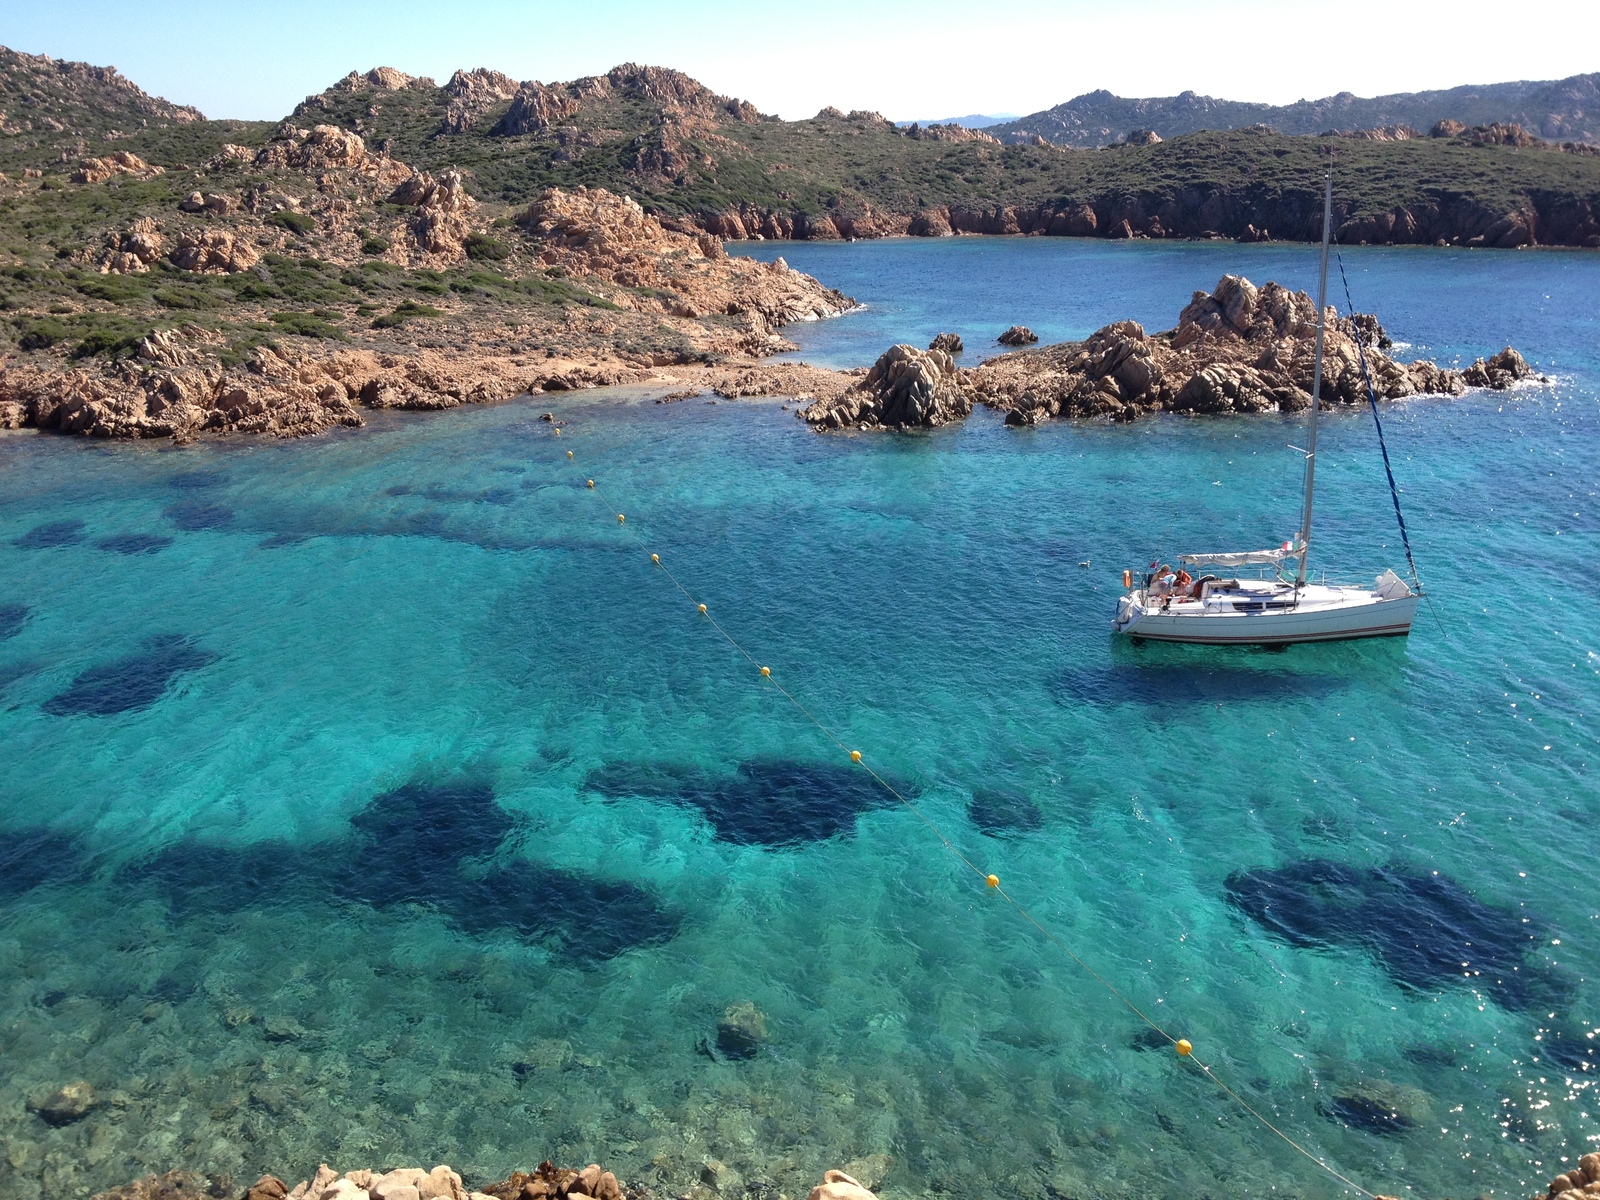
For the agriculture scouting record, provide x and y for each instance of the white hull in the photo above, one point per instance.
(1267, 614)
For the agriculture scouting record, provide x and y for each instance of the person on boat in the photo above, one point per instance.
(1163, 581)
(1181, 584)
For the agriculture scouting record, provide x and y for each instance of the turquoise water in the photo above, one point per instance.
(371, 800)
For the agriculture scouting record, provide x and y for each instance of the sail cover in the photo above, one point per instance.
(1243, 558)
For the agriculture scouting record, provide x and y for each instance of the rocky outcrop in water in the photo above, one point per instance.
(1237, 349)
(1018, 335)
(906, 387)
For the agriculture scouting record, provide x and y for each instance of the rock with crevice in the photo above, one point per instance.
(217, 251)
(1018, 335)
(905, 388)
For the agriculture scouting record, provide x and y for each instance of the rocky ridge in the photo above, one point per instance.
(631, 297)
(1559, 109)
(1237, 349)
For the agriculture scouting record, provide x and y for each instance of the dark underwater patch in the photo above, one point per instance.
(194, 515)
(1004, 812)
(12, 619)
(1178, 685)
(417, 838)
(1368, 1115)
(36, 856)
(766, 802)
(195, 878)
(191, 481)
(1423, 928)
(50, 535)
(409, 847)
(132, 682)
(279, 540)
(134, 543)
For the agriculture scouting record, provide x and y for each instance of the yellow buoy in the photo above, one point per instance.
(1184, 1048)
(656, 558)
(855, 756)
(992, 880)
(558, 434)
(591, 483)
(702, 610)
(766, 670)
(569, 453)
(621, 518)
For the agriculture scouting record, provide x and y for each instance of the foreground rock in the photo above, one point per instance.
(906, 387)
(1579, 1183)
(544, 1182)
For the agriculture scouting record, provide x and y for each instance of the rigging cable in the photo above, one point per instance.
(1372, 399)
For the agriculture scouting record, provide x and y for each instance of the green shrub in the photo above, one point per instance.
(486, 249)
(185, 297)
(403, 312)
(295, 222)
(42, 334)
(306, 325)
(375, 245)
(111, 342)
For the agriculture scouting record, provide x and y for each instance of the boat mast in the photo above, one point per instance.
(1316, 384)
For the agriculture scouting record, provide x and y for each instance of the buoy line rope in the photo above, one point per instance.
(1184, 1049)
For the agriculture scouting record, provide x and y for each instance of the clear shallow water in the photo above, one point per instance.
(370, 800)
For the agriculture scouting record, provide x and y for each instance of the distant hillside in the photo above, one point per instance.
(42, 96)
(714, 162)
(50, 108)
(1564, 110)
(970, 121)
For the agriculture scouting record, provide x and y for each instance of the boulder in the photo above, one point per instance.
(742, 1031)
(906, 387)
(67, 1104)
(214, 250)
(268, 1187)
(836, 1185)
(1018, 335)
(950, 343)
(118, 162)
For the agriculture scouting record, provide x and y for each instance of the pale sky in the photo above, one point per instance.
(922, 59)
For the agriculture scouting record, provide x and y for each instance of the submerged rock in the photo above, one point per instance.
(67, 1104)
(742, 1031)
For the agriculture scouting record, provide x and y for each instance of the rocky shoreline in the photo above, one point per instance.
(1237, 349)
(544, 1182)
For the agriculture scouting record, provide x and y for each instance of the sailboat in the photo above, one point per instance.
(1278, 606)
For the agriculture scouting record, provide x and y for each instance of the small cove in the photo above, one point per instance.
(293, 669)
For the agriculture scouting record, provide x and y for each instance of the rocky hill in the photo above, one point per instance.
(712, 162)
(1565, 110)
